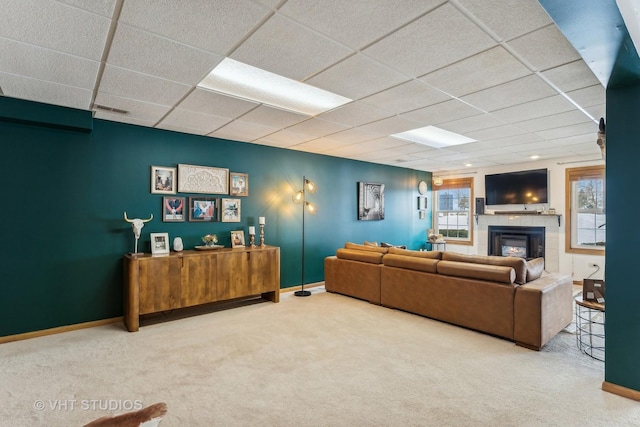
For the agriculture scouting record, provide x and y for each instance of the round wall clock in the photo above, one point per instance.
(422, 187)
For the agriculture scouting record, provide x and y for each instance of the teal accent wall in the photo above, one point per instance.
(622, 328)
(63, 232)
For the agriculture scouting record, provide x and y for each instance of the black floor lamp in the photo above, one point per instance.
(300, 198)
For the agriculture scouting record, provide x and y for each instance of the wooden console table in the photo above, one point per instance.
(184, 279)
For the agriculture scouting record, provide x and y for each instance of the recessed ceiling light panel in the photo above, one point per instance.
(433, 137)
(235, 78)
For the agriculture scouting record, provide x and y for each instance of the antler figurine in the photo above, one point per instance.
(136, 225)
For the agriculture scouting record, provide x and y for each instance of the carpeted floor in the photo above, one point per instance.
(325, 360)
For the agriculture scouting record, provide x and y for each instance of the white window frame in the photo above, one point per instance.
(573, 176)
(448, 184)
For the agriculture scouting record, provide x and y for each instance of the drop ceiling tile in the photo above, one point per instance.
(283, 138)
(545, 48)
(213, 26)
(572, 76)
(138, 110)
(509, 94)
(102, 7)
(558, 120)
(451, 36)
(320, 145)
(147, 53)
(120, 118)
(242, 131)
(354, 135)
(217, 104)
(406, 97)
(129, 84)
(203, 123)
(273, 117)
(68, 29)
(589, 96)
(490, 68)
(356, 23)
(284, 47)
(367, 146)
(46, 64)
(584, 128)
(597, 111)
(355, 114)
(525, 138)
(47, 92)
(316, 128)
(366, 77)
(531, 110)
(496, 132)
(390, 126)
(508, 18)
(473, 123)
(441, 113)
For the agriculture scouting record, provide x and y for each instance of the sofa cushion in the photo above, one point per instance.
(419, 254)
(411, 262)
(362, 256)
(356, 246)
(518, 264)
(494, 273)
(535, 268)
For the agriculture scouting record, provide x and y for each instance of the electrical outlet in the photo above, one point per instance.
(593, 265)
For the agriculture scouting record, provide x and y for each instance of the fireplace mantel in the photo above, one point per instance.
(551, 224)
(518, 213)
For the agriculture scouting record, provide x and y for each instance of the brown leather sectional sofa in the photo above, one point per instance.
(504, 296)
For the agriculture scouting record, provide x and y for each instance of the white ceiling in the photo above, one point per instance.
(498, 71)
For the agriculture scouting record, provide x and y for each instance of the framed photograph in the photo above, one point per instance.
(173, 209)
(370, 201)
(159, 243)
(237, 239)
(203, 179)
(239, 184)
(422, 203)
(204, 209)
(163, 180)
(230, 210)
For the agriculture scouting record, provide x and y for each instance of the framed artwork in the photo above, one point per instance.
(163, 180)
(204, 209)
(237, 239)
(239, 184)
(202, 179)
(422, 203)
(173, 209)
(370, 201)
(230, 209)
(159, 243)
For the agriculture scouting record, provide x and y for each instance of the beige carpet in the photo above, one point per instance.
(325, 360)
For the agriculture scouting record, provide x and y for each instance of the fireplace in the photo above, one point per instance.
(523, 242)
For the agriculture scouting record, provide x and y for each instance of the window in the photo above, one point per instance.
(453, 210)
(586, 220)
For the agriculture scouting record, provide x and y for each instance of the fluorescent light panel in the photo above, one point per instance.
(234, 78)
(433, 137)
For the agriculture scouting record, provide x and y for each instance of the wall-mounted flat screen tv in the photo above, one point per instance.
(516, 188)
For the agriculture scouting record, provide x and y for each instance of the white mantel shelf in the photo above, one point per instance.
(516, 214)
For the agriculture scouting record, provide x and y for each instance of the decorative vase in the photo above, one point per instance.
(177, 244)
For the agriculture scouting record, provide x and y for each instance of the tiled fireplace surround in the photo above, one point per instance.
(549, 222)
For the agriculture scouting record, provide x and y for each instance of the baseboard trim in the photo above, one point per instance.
(59, 330)
(297, 288)
(621, 391)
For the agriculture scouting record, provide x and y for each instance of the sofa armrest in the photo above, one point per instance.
(542, 308)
